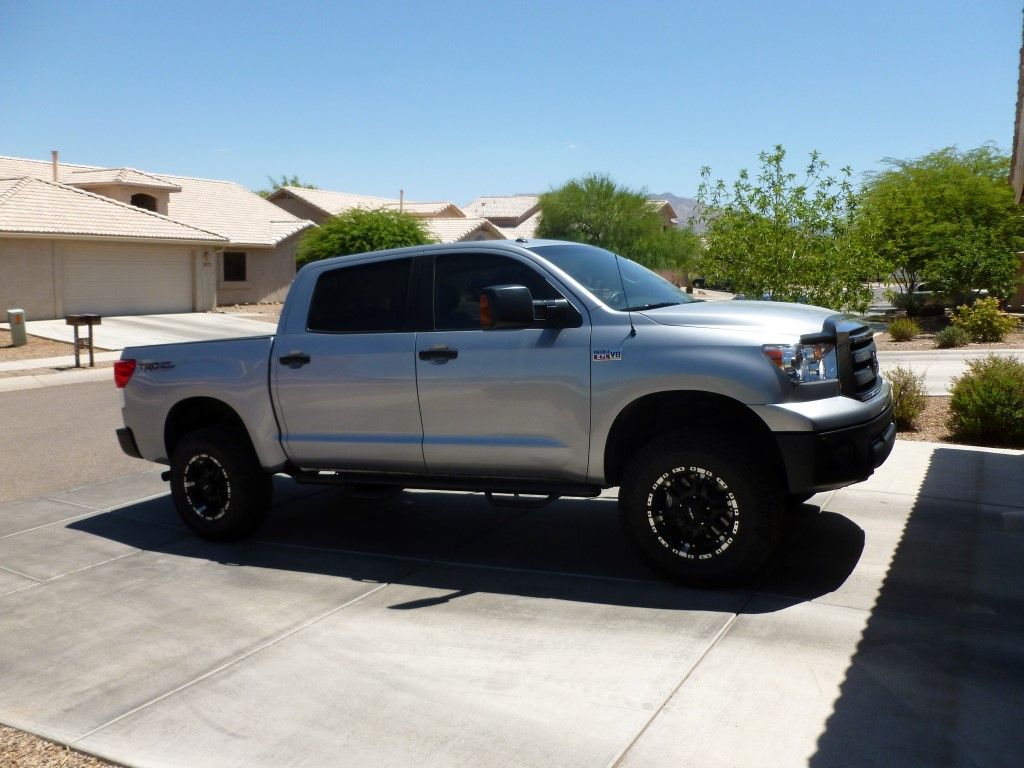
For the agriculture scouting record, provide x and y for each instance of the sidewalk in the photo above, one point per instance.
(940, 366)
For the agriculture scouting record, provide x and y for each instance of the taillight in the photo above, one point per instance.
(123, 370)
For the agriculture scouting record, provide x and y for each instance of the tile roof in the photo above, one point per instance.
(455, 230)
(527, 229)
(224, 207)
(332, 203)
(441, 209)
(661, 205)
(503, 207)
(127, 176)
(33, 206)
(243, 217)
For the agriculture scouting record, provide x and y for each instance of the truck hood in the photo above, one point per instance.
(773, 316)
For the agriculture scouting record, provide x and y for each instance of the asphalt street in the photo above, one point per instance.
(58, 438)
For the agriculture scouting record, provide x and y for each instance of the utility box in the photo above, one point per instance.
(16, 317)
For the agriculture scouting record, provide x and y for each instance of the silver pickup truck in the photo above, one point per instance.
(526, 370)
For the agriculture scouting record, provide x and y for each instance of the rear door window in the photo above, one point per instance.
(363, 298)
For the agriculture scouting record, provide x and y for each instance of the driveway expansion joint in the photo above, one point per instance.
(272, 641)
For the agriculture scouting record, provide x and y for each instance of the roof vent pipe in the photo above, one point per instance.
(54, 154)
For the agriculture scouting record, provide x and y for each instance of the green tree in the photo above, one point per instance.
(779, 235)
(597, 211)
(284, 181)
(947, 217)
(360, 231)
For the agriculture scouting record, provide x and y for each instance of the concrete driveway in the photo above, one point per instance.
(435, 630)
(136, 330)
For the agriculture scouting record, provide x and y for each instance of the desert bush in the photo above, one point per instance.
(952, 336)
(987, 403)
(983, 321)
(903, 329)
(908, 396)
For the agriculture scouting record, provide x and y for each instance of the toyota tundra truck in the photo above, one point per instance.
(525, 370)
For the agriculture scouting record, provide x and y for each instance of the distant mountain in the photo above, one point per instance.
(685, 209)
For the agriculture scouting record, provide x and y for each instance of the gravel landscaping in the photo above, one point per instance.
(23, 750)
(930, 326)
(35, 348)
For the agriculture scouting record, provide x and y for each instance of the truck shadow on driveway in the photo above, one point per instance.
(572, 549)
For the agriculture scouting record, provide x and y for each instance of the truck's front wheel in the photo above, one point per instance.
(218, 486)
(700, 510)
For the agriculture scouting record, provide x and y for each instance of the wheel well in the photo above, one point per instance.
(200, 413)
(658, 414)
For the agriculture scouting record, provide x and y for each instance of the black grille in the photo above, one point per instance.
(863, 362)
(856, 356)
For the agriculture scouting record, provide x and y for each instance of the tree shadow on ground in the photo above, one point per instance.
(938, 675)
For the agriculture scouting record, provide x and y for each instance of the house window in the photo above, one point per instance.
(234, 266)
(142, 200)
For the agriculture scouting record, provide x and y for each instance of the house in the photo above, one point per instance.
(66, 250)
(519, 215)
(669, 218)
(76, 238)
(445, 222)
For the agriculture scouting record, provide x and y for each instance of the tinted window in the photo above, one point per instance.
(368, 298)
(460, 277)
(234, 266)
(618, 282)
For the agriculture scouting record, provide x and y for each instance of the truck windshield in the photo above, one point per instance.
(618, 282)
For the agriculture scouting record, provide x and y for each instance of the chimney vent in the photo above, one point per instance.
(54, 154)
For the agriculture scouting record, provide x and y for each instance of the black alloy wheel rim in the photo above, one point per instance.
(693, 513)
(207, 487)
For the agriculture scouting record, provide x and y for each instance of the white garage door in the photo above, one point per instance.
(134, 282)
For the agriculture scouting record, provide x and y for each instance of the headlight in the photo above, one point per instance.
(804, 362)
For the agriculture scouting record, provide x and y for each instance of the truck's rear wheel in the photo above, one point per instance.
(700, 510)
(218, 486)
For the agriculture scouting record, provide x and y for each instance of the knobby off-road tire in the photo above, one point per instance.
(701, 510)
(218, 486)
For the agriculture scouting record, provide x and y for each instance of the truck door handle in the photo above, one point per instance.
(441, 355)
(295, 359)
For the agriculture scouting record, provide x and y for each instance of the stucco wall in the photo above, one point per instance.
(123, 193)
(269, 273)
(27, 278)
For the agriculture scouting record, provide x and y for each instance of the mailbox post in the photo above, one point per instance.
(78, 321)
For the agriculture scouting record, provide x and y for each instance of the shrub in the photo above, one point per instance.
(908, 396)
(983, 321)
(987, 403)
(360, 231)
(952, 336)
(903, 329)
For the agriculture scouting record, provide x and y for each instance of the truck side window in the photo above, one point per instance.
(365, 298)
(460, 277)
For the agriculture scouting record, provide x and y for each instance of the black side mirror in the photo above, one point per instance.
(556, 313)
(506, 306)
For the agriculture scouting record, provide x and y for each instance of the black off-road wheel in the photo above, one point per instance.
(218, 486)
(701, 510)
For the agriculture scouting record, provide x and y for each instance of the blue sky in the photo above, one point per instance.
(453, 100)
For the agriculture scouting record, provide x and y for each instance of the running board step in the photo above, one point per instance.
(486, 485)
